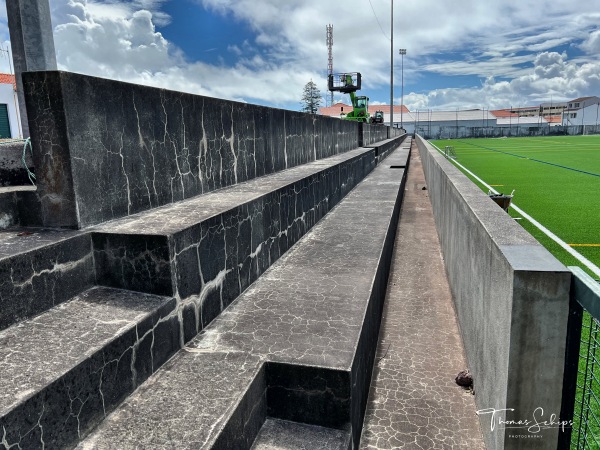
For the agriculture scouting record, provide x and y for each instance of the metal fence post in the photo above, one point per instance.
(571, 365)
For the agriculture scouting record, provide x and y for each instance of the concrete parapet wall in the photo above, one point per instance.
(105, 149)
(511, 297)
(12, 169)
(374, 133)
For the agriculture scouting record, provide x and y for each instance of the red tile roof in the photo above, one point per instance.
(386, 109)
(336, 109)
(6, 78)
(503, 113)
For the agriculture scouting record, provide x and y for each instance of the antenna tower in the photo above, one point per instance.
(330, 55)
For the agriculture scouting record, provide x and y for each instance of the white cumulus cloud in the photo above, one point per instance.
(508, 45)
(592, 43)
(552, 76)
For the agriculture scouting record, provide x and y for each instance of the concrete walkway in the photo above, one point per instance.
(414, 402)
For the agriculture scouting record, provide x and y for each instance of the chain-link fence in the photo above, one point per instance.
(581, 391)
(434, 131)
(586, 420)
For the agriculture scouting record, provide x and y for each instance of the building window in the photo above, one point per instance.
(4, 123)
(577, 105)
(573, 115)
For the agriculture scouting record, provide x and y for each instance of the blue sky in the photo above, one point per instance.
(465, 53)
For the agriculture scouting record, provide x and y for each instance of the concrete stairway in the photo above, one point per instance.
(86, 317)
(208, 249)
(40, 269)
(297, 347)
(68, 366)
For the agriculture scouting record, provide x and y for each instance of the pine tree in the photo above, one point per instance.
(311, 98)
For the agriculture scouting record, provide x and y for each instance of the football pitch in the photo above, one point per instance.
(556, 181)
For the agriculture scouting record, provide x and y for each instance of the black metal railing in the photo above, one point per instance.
(581, 387)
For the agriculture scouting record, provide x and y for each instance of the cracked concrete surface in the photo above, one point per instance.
(147, 147)
(65, 369)
(284, 435)
(210, 387)
(41, 268)
(414, 402)
(302, 321)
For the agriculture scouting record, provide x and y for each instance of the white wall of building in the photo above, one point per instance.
(588, 115)
(8, 97)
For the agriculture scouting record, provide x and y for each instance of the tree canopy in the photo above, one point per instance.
(311, 98)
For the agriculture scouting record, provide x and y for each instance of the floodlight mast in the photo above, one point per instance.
(402, 53)
(392, 67)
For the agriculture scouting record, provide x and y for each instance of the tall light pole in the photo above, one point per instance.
(392, 67)
(402, 53)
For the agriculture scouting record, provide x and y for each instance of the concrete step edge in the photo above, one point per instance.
(64, 370)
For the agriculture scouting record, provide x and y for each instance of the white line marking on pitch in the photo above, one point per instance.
(578, 256)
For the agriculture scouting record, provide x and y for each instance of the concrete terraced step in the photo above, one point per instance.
(206, 250)
(278, 434)
(383, 148)
(297, 345)
(41, 268)
(197, 400)
(203, 251)
(65, 369)
(19, 206)
(12, 169)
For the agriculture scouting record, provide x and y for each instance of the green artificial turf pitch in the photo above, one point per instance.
(556, 181)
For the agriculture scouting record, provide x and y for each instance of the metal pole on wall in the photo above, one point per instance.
(457, 122)
(392, 65)
(32, 43)
(402, 53)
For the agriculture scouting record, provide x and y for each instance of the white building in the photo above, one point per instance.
(582, 111)
(450, 124)
(10, 122)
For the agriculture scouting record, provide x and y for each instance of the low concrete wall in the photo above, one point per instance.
(12, 169)
(511, 298)
(374, 133)
(105, 149)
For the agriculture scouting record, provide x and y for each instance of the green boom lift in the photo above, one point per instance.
(349, 83)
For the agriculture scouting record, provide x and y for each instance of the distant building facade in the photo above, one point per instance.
(582, 111)
(546, 118)
(10, 123)
(340, 109)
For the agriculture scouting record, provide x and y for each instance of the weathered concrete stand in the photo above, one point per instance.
(167, 210)
(118, 149)
(511, 297)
